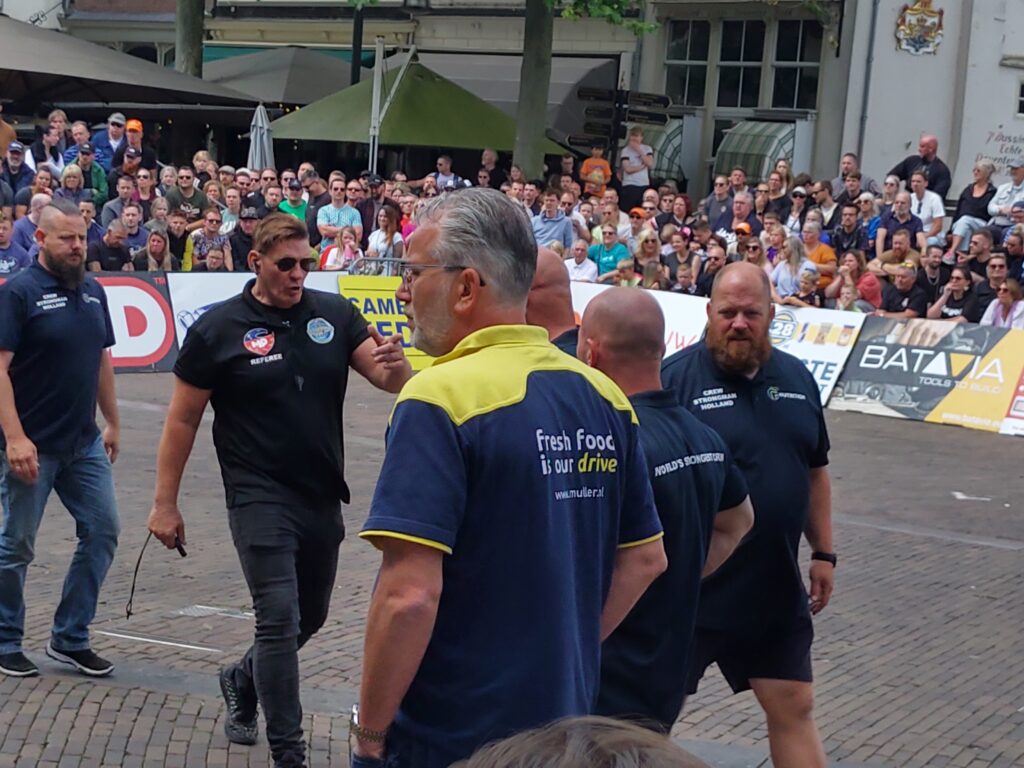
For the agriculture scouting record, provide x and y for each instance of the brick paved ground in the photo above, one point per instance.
(919, 659)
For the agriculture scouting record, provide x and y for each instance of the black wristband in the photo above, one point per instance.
(827, 557)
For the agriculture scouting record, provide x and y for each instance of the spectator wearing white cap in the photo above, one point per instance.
(108, 140)
(1006, 195)
(13, 170)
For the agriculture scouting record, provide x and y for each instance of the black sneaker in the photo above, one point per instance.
(17, 665)
(85, 661)
(240, 726)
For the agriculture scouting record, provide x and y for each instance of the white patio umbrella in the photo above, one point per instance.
(261, 144)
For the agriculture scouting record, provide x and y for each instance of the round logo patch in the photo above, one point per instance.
(319, 330)
(259, 341)
(783, 327)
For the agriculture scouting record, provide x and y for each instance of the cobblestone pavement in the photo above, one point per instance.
(919, 659)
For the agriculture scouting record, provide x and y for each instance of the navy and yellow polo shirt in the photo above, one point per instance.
(522, 465)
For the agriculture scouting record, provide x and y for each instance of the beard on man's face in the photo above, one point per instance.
(738, 351)
(70, 276)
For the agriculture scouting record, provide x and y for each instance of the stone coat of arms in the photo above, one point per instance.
(919, 28)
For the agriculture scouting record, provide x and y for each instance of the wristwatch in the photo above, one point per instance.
(828, 557)
(365, 734)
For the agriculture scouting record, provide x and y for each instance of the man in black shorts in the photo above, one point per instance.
(754, 617)
(274, 362)
(701, 498)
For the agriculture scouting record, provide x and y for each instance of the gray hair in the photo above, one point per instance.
(40, 200)
(744, 196)
(814, 226)
(485, 230)
(986, 166)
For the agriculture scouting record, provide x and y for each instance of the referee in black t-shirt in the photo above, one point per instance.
(274, 364)
(701, 498)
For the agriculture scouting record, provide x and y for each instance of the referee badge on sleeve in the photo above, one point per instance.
(319, 330)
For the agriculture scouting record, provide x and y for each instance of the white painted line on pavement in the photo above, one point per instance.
(960, 496)
(141, 639)
(930, 533)
(201, 611)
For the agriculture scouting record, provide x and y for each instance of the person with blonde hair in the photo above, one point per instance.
(72, 185)
(156, 256)
(785, 278)
(971, 212)
(1007, 311)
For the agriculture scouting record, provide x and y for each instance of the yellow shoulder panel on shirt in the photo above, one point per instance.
(489, 370)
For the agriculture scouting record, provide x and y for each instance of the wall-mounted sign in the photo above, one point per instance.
(919, 28)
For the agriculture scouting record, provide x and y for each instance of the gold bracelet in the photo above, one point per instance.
(365, 734)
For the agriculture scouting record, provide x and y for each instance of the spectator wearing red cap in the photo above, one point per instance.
(133, 138)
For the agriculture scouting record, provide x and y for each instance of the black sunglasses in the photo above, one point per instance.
(797, 194)
(287, 264)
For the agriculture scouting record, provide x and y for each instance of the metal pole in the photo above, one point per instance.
(375, 116)
(357, 43)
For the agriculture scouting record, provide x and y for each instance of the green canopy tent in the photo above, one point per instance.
(423, 110)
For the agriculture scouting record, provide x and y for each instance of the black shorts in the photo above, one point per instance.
(781, 653)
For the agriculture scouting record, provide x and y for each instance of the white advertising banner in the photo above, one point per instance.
(685, 316)
(192, 295)
(821, 338)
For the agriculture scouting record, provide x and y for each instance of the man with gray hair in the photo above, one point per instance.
(742, 212)
(513, 510)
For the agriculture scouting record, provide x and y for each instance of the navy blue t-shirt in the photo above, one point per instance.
(522, 465)
(774, 426)
(58, 337)
(568, 341)
(13, 259)
(644, 662)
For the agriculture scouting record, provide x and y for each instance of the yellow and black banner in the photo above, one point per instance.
(937, 371)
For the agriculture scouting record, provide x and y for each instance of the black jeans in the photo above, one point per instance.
(289, 557)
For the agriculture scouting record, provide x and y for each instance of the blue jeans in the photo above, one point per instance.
(85, 485)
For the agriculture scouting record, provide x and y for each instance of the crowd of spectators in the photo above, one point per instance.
(845, 242)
